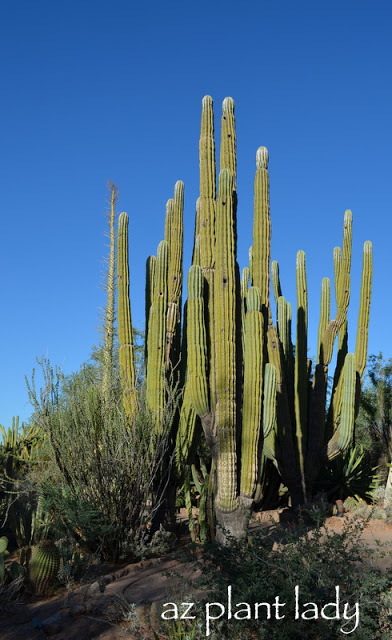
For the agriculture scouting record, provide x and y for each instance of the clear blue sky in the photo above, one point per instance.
(95, 90)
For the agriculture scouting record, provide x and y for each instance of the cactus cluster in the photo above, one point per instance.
(251, 391)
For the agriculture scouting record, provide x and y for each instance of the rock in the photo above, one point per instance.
(53, 624)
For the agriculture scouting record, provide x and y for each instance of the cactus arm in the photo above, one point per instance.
(244, 293)
(174, 232)
(325, 306)
(364, 309)
(197, 343)
(228, 159)
(261, 229)
(125, 336)
(225, 345)
(155, 379)
(342, 283)
(149, 293)
(252, 393)
(301, 364)
(269, 413)
(277, 289)
(342, 437)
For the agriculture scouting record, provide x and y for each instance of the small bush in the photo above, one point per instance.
(317, 561)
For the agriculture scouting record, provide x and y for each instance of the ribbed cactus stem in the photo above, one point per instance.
(261, 228)
(174, 236)
(197, 343)
(155, 379)
(207, 150)
(225, 344)
(228, 158)
(252, 393)
(277, 289)
(206, 223)
(301, 362)
(244, 293)
(343, 435)
(325, 306)
(337, 263)
(269, 412)
(284, 332)
(342, 264)
(364, 309)
(125, 333)
(44, 566)
(150, 281)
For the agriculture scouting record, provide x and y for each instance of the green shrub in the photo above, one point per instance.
(317, 561)
(111, 473)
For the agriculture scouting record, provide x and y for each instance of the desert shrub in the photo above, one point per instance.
(317, 561)
(113, 472)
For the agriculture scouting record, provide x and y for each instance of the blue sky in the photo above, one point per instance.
(95, 90)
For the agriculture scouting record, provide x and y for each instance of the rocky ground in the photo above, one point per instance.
(126, 603)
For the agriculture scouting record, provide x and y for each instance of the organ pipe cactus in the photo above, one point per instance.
(255, 393)
(232, 341)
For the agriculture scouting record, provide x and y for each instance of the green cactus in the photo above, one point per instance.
(156, 338)
(232, 342)
(43, 568)
(163, 306)
(125, 334)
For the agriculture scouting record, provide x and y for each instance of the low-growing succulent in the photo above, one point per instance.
(44, 567)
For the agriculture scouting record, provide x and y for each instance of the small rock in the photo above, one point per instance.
(53, 624)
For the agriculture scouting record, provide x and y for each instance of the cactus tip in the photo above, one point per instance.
(206, 102)
(228, 105)
(367, 247)
(262, 158)
(348, 216)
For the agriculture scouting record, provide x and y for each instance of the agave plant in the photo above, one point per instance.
(349, 475)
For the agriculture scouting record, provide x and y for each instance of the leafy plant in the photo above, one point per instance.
(110, 467)
(316, 560)
(349, 475)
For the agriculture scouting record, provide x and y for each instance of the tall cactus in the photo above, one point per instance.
(163, 308)
(231, 339)
(125, 332)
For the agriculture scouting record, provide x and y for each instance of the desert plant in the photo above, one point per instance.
(43, 567)
(349, 475)
(283, 563)
(109, 467)
(245, 379)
